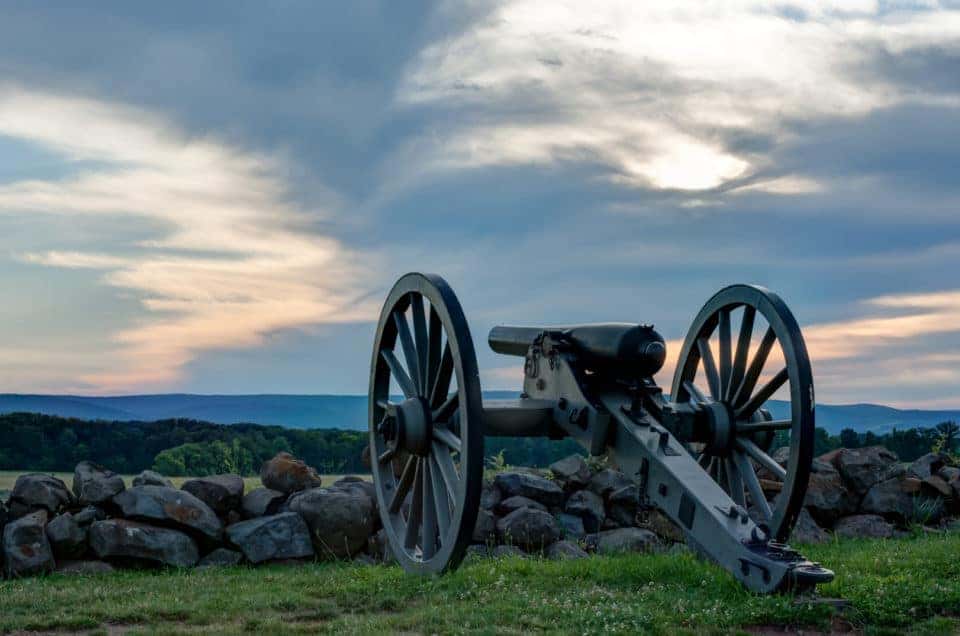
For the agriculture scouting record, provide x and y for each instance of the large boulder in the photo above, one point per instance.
(571, 526)
(490, 496)
(94, 484)
(864, 526)
(68, 539)
(282, 536)
(827, 498)
(891, 498)
(83, 568)
(623, 540)
(529, 485)
(262, 502)
(561, 550)
(516, 502)
(169, 507)
(485, 530)
(122, 539)
(340, 521)
(288, 474)
(151, 478)
(572, 473)
(88, 515)
(929, 464)
(589, 507)
(222, 493)
(608, 481)
(622, 505)
(861, 468)
(529, 528)
(361, 486)
(663, 526)
(806, 530)
(26, 549)
(36, 491)
(220, 558)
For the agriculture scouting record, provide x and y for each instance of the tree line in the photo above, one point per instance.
(184, 447)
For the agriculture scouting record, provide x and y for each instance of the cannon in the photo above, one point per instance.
(711, 455)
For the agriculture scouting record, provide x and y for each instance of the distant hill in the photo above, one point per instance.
(350, 411)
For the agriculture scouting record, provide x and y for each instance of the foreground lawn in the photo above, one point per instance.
(895, 586)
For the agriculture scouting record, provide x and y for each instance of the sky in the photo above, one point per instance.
(216, 197)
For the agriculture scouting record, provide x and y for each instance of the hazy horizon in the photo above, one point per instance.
(217, 200)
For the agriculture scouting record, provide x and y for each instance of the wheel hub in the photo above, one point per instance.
(721, 426)
(410, 427)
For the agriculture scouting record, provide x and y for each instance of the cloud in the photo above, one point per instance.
(234, 259)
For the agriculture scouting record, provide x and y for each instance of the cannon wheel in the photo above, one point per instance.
(713, 368)
(426, 449)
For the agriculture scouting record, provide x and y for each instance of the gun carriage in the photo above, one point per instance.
(704, 455)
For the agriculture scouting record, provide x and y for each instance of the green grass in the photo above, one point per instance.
(894, 586)
(9, 477)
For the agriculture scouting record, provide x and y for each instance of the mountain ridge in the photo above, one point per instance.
(350, 411)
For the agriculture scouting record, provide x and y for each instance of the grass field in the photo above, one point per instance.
(895, 586)
(9, 477)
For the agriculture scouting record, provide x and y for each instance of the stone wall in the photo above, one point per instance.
(568, 511)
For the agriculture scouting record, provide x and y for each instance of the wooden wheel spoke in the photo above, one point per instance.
(764, 394)
(446, 437)
(406, 384)
(722, 474)
(433, 350)
(448, 472)
(420, 339)
(409, 350)
(735, 483)
(709, 367)
(723, 326)
(756, 368)
(743, 350)
(761, 457)
(387, 455)
(428, 542)
(441, 386)
(440, 499)
(403, 486)
(695, 392)
(416, 510)
(447, 409)
(753, 485)
(749, 428)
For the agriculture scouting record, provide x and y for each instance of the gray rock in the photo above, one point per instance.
(360, 486)
(529, 485)
(571, 526)
(288, 474)
(506, 551)
(589, 507)
(622, 505)
(572, 473)
(892, 499)
(67, 538)
(221, 558)
(83, 568)
(262, 502)
(282, 536)
(827, 498)
(169, 507)
(529, 528)
(565, 550)
(608, 481)
(490, 496)
(485, 530)
(340, 521)
(379, 547)
(861, 468)
(476, 551)
(94, 484)
(26, 549)
(364, 559)
(806, 530)
(36, 491)
(624, 540)
(123, 539)
(864, 526)
(663, 526)
(88, 515)
(929, 464)
(222, 493)
(516, 502)
(935, 486)
(151, 478)
(949, 473)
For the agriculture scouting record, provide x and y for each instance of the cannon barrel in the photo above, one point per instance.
(513, 341)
